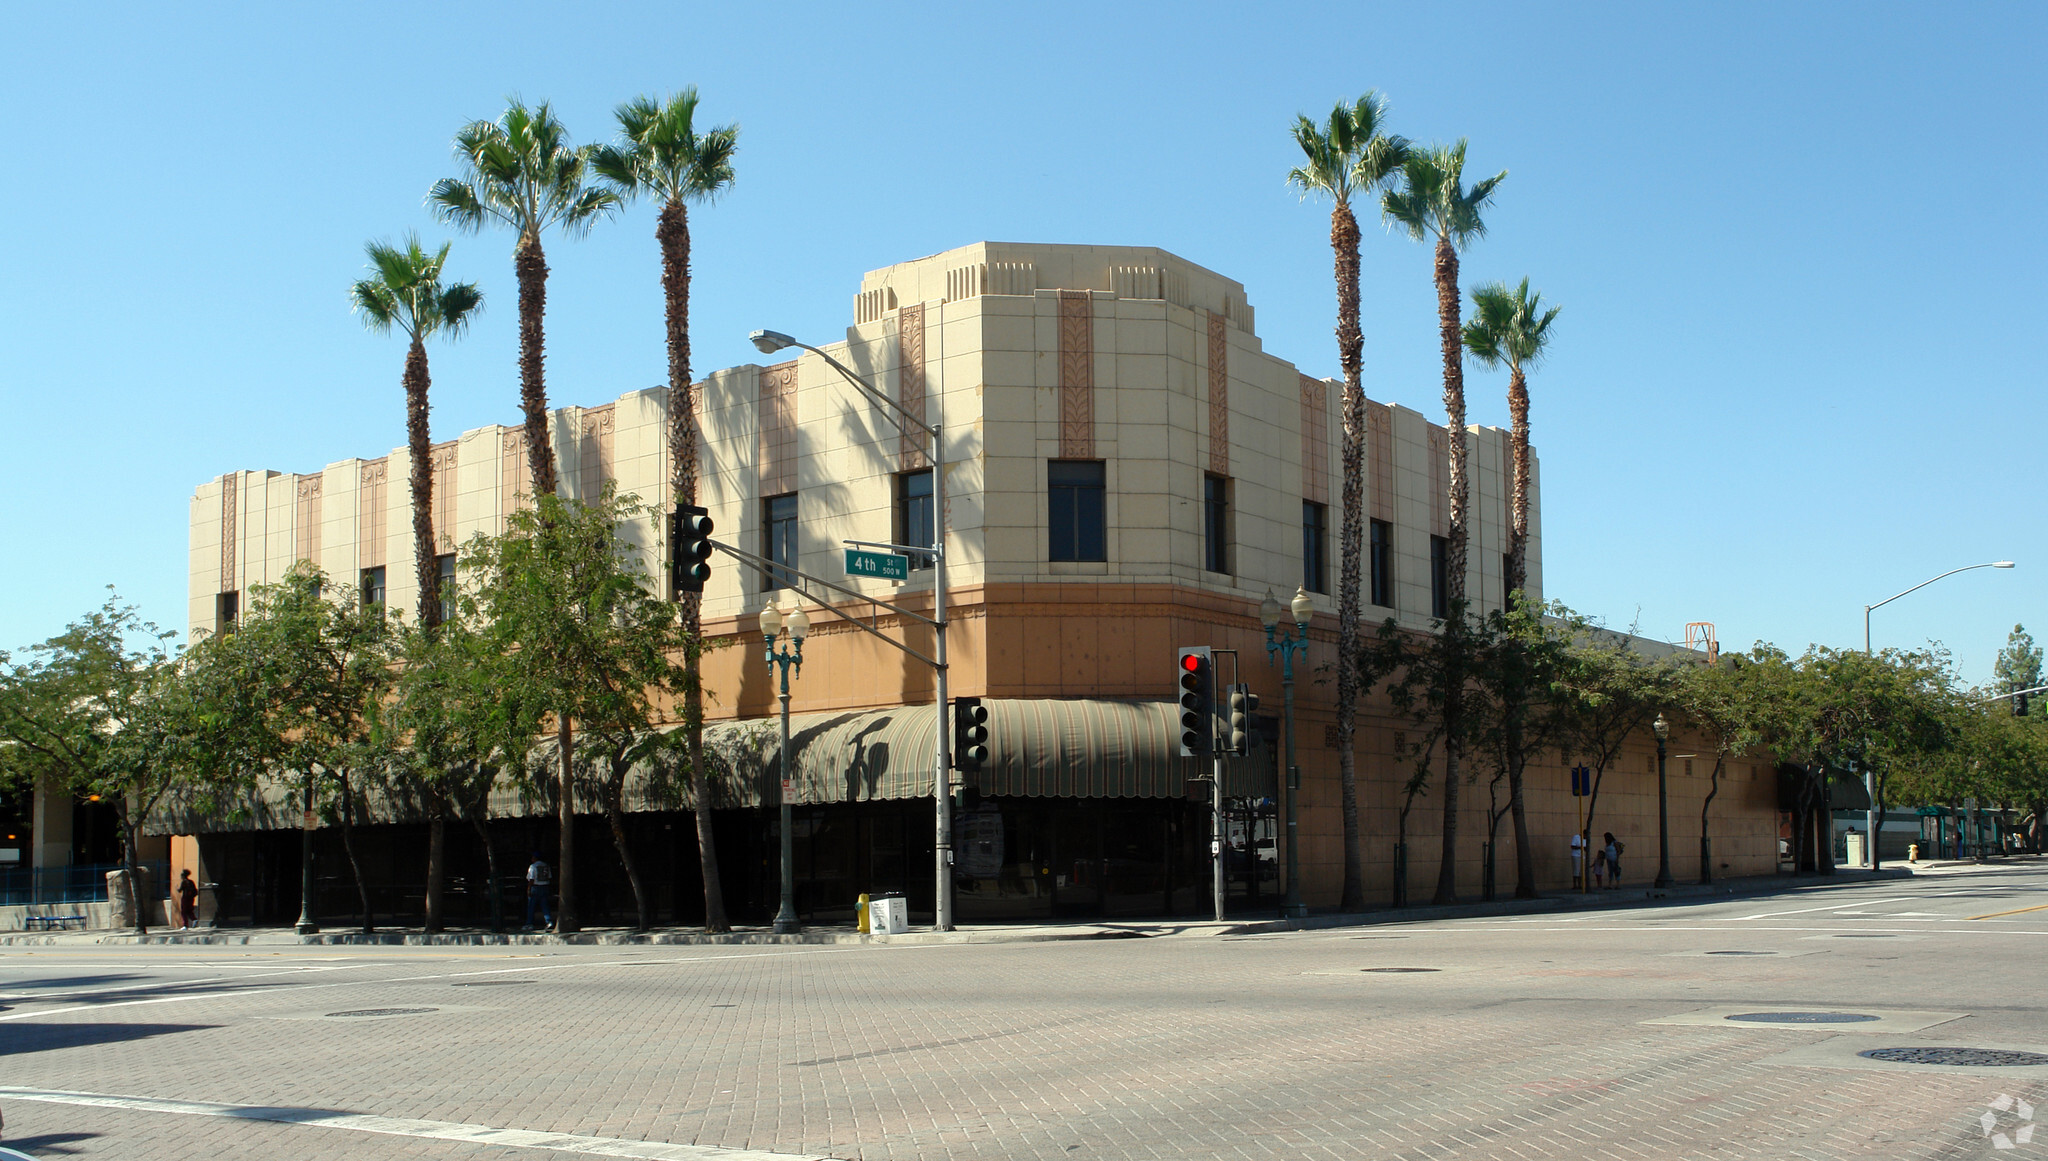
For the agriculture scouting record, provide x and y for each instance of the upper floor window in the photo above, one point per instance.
(1382, 564)
(1216, 523)
(778, 540)
(373, 585)
(444, 568)
(1315, 538)
(915, 523)
(226, 607)
(1075, 521)
(1439, 577)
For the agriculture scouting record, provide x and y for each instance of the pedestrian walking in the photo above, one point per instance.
(1612, 853)
(540, 879)
(188, 899)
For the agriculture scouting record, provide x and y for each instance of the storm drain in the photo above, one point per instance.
(1960, 1057)
(1801, 1017)
(383, 1012)
(1400, 969)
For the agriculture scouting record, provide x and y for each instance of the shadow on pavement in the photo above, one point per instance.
(46, 1144)
(24, 1039)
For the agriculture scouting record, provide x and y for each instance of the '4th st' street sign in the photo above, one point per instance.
(883, 565)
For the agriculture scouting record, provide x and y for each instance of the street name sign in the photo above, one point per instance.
(882, 565)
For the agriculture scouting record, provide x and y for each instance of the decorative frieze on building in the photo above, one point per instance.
(1315, 440)
(910, 378)
(307, 517)
(370, 513)
(1219, 396)
(778, 429)
(1379, 457)
(228, 510)
(594, 451)
(1077, 374)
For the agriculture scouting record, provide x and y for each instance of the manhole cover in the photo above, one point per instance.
(384, 1012)
(1401, 969)
(1803, 1018)
(487, 983)
(1742, 953)
(1963, 1057)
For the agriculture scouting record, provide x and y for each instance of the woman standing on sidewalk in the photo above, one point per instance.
(1611, 851)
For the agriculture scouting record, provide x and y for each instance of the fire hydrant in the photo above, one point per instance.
(1912, 852)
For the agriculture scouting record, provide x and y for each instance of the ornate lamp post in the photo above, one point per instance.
(792, 627)
(1663, 731)
(1286, 645)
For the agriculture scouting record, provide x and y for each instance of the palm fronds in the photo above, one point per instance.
(1508, 325)
(1433, 200)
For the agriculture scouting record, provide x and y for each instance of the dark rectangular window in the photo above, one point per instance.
(914, 523)
(373, 585)
(1075, 520)
(1215, 523)
(1439, 577)
(778, 539)
(226, 607)
(444, 567)
(1382, 564)
(1315, 536)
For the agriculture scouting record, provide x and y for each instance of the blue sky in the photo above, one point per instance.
(1792, 376)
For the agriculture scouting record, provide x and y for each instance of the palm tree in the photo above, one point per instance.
(1433, 202)
(405, 291)
(663, 155)
(523, 173)
(1349, 155)
(1511, 326)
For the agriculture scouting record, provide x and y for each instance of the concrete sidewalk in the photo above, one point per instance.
(996, 933)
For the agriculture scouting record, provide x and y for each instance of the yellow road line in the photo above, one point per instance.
(2014, 911)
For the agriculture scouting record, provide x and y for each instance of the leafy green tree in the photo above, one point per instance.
(1608, 691)
(1349, 155)
(2019, 664)
(406, 292)
(94, 711)
(1519, 662)
(1434, 202)
(1721, 702)
(520, 172)
(662, 155)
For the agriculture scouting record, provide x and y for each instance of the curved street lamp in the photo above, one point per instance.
(1663, 731)
(1286, 645)
(793, 626)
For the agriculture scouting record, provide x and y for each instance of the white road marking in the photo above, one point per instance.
(408, 1127)
(1805, 910)
(143, 986)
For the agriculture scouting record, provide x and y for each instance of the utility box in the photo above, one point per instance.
(888, 915)
(1859, 856)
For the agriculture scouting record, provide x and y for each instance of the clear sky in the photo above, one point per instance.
(1792, 375)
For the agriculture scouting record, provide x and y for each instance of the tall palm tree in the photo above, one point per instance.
(1349, 155)
(522, 173)
(404, 290)
(1434, 203)
(1511, 326)
(662, 155)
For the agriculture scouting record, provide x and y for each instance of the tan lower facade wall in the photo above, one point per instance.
(1120, 640)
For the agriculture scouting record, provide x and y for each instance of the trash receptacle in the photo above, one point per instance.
(1858, 856)
(888, 915)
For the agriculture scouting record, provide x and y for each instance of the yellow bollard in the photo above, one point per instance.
(860, 913)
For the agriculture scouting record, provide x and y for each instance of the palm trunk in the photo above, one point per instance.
(532, 267)
(421, 448)
(437, 868)
(1344, 243)
(348, 844)
(1452, 340)
(672, 231)
(1518, 504)
(565, 858)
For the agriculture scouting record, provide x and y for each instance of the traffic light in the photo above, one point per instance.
(1242, 702)
(689, 557)
(2019, 705)
(970, 734)
(1196, 681)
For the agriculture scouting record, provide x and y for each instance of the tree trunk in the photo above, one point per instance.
(1350, 343)
(1877, 785)
(1706, 848)
(615, 814)
(565, 858)
(483, 833)
(348, 844)
(532, 267)
(437, 867)
(672, 231)
(1525, 857)
(131, 841)
(421, 448)
(1518, 503)
(1451, 338)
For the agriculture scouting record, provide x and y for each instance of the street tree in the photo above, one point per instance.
(1433, 202)
(1720, 701)
(1607, 692)
(1349, 155)
(2018, 665)
(662, 154)
(1519, 661)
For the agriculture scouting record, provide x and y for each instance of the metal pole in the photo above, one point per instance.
(1216, 843)
(305, 925)
(1663, 822)
(785, 916)
(942, 778)
(1292, 907)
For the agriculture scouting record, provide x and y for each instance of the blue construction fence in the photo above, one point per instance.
(78, 883)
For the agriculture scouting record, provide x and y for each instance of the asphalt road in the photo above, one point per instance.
(1585, 1035)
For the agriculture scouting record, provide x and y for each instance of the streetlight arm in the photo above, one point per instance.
(1930, 580)
(902, 416)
